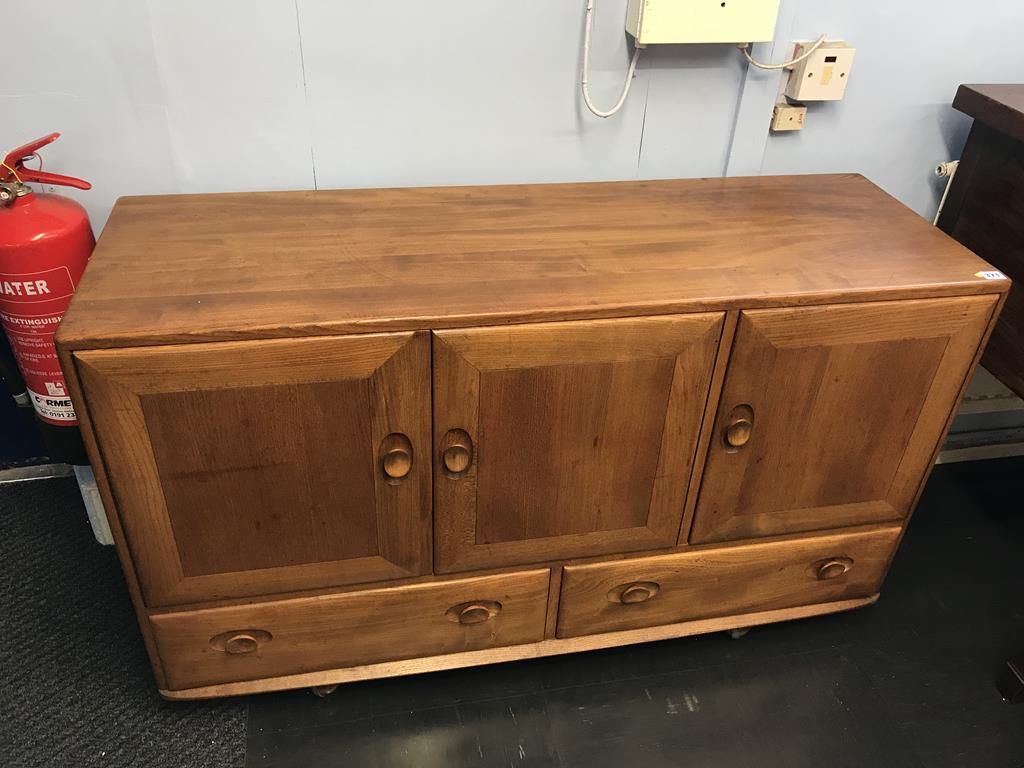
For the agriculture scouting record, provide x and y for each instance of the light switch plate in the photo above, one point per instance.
(823, 75)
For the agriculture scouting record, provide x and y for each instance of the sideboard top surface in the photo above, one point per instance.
(254, 265)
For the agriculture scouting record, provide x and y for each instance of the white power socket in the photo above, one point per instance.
(823, 75)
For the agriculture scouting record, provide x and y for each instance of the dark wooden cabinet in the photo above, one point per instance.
(437, 428)
(985, 210)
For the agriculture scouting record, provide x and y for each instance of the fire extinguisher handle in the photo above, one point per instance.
(45, 177)
(18, 154)
(13, 166)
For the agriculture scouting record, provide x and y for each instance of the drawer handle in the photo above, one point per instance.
(457, 451)
(396, 456)
(832, 568)
(634, 592)
(476, 612)
(239, 642)
(738, 428)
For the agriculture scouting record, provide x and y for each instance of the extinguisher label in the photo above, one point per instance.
(32, 305)
(37, 287)
(54, 408)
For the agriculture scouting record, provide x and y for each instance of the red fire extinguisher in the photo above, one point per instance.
(45, 242)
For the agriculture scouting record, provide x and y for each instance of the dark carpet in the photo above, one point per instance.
(75, 684)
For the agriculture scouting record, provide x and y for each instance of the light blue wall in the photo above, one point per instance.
(206, 95)
(895, 123)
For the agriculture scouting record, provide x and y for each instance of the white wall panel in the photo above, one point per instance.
(231, 76)
(182, 95)
(691, 107)
(90, 74)
(452, 92)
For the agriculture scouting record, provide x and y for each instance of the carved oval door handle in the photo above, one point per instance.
(457, 451)
(832, 568)
(396, 456)
(239, 642)
(738, 433)
(476, 612)
(738, 427)
(634, 592)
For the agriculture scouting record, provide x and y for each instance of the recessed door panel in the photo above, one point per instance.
(248, 468)
(566, 439)
(830, 416)
(608, 417)
(235, 468)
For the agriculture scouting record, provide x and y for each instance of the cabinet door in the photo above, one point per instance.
(255, 467)
(830, 416)
(563, 439)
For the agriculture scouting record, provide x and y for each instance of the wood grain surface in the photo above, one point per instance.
(584, 436)
(251, 468)
(548, 647)
(848, 403)
(352, 628)
(257, 265)
(718, 582)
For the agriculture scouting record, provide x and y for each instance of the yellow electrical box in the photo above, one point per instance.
(701, 21)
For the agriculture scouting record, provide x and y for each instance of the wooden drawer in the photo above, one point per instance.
(649, 591)
(246, 642)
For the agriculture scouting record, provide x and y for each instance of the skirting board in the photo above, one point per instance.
(34, 472)
(537, 650)
(979, 452)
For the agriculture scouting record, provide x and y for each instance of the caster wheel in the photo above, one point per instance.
(736, 634)
(323, 691)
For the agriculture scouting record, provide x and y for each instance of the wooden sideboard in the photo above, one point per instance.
(353, 434)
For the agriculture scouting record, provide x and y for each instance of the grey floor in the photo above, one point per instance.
(75, 684)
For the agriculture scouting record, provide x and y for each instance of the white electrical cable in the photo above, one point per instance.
(946, 171)
(786, 64)
(585, 72)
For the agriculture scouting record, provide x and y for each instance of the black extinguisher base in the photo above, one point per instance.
(63, 444)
